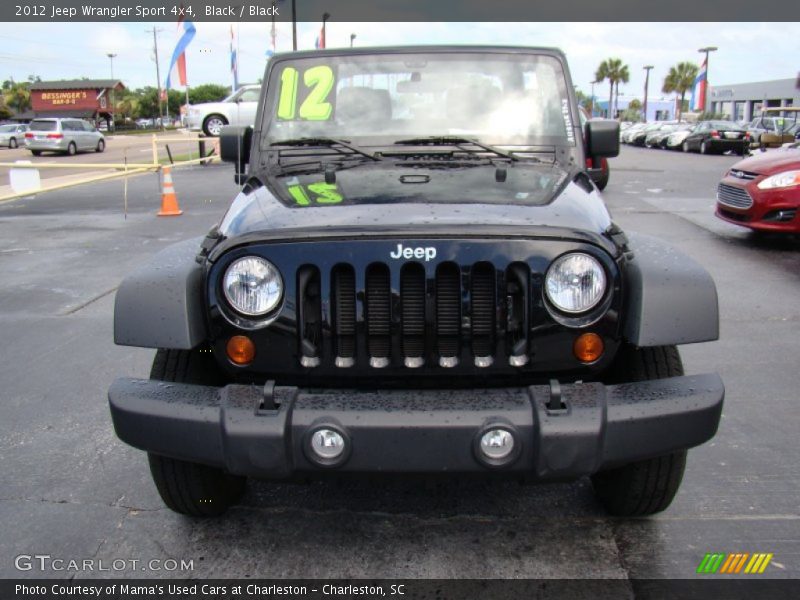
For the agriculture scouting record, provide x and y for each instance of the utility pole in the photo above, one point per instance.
(592, 83)
(325, 17)
(156, 31)
(646, 85)
(706, 99)
(111, 56)
(294, 25)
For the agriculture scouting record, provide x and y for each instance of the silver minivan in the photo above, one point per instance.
(67, 136)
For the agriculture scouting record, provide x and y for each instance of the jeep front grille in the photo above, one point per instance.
(412, 319)
(731, 195)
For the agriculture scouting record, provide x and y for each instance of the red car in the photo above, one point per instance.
(762, 192)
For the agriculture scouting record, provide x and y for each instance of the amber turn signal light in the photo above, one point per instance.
(241, 350)
(588, 347)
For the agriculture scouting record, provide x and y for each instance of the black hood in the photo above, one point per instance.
(388, 198)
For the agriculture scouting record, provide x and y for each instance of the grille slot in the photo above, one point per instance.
(378, 313)
(309, 317)
(412, 311)
(517, 322)
(731, 195)
(448, 310)
(343, 282)
(484, 306)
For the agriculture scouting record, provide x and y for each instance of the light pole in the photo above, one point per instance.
(706, 50)
(325, 17)
(352, 37)
(111, 56)
(592, 84)
(646, 85)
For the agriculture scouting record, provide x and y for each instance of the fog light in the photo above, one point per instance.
(241, 350)
(588, 347)
(327, 444)
(497, 444)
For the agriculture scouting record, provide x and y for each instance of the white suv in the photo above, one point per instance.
(237, 109)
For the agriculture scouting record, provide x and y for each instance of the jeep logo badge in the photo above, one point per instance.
(428, 253)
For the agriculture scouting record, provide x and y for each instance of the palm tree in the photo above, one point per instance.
(613, 70)
(680, 79)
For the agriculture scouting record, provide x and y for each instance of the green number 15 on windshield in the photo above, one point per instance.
(317, 85)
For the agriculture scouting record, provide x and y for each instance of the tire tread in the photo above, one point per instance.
(647, 486)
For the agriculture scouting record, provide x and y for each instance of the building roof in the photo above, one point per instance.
(53, 113)
(77, 84)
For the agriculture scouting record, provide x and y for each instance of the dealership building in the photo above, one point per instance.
(658, 109)
(743, 101)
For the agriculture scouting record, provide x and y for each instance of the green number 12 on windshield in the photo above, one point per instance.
(318, 83)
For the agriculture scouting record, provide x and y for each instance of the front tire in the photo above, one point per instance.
(213, 124)
(647, 486)
(685, 146)
(101, 145)
(189, 488)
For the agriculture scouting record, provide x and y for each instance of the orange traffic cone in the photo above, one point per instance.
(169, 201)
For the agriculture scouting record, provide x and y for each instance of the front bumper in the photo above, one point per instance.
(265, 432)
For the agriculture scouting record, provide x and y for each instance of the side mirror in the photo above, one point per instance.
(234, 146)
(602, 138)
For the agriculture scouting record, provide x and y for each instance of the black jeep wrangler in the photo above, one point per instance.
(418, 276)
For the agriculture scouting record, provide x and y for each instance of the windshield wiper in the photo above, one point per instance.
(325, 141)
(446, 140)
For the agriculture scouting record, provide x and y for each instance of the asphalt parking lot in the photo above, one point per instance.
(70, 489)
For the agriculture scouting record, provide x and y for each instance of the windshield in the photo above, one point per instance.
(512, 99)
(43, 126)
(7, 128)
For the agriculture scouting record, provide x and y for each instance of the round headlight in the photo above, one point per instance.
(252, 286)
(575, 283)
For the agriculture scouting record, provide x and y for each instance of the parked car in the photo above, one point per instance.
(237, 109)
(626, 136)
(655, 138)
(12, 134)
(762, 192)
(385, 296)
(773, 121)
(600, 179)
(66, 136)
(674, 140)
(638, 138)
(709, 137)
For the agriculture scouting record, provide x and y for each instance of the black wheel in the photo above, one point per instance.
(603, 181)
(12, 143)
(213, 124)
(685, 146)
(36, 152)
(72, 149)
(704, 149)
(188, 488)
(101, 145)
(647, 486)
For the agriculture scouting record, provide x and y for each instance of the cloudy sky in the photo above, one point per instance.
(747, 51)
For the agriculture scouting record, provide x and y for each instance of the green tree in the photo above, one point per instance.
(208, 92)
(679, 80)
(613, 70)
(17, 96)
